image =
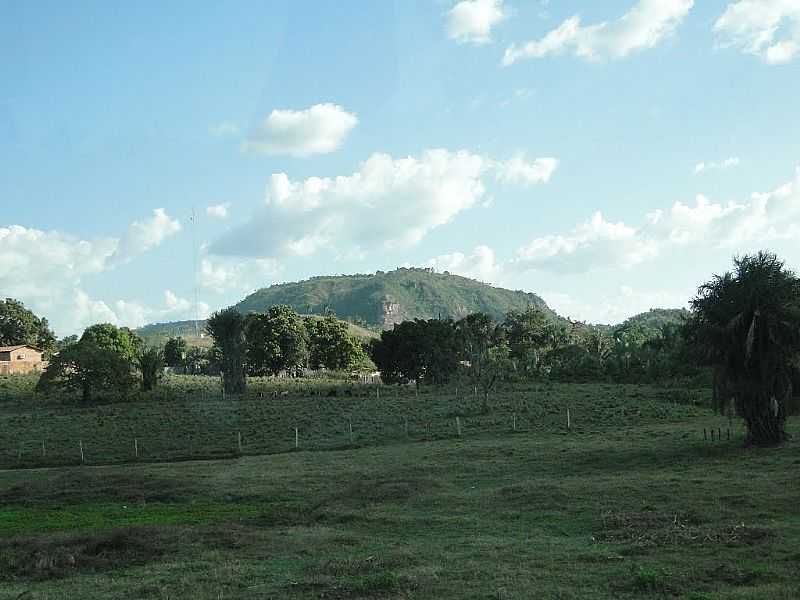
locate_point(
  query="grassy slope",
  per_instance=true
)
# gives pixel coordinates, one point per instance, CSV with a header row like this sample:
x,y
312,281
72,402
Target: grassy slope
x,y
631,504
188,418
421,294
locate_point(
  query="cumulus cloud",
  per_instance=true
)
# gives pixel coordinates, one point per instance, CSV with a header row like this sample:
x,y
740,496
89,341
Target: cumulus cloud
x,y
519,170
481,264
614,308
218,211
320,129
46,269
471,21
728,163
387,203
145,235
597,240
768,29
764,218
220,274
644,26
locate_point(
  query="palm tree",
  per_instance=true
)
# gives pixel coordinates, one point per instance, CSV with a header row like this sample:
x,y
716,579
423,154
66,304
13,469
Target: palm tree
x,y
748,325
227,327
151,364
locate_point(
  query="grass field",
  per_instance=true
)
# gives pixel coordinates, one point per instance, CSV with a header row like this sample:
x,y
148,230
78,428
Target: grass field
x,y
631,503
189,419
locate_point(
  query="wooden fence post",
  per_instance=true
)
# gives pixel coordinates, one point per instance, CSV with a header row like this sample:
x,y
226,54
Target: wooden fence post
x,y
569,422
80,445
458,426
136,447
296,438
239,441
515,421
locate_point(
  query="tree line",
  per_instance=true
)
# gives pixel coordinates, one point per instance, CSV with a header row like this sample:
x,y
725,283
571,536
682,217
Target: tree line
x,y
743,331
113,360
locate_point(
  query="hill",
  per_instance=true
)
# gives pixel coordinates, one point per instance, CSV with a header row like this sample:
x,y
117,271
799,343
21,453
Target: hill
x,y
372,302
379,301
158,333
654,319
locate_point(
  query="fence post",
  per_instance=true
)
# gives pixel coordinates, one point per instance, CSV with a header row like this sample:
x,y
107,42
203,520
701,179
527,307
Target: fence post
x,y
136,447
569,422
239,441
80,445
458,426
296,438
43,449
350,425
378,392
515,421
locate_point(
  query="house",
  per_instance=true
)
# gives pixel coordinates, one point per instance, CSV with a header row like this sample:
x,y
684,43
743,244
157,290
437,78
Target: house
x,y
15,360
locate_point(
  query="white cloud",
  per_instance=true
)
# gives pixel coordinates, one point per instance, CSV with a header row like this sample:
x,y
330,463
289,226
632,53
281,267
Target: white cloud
x,y
387,203
614,309
471,21
768,29
320,129
644,26
740,226
45,269
728,163
218,211
597,241
219,274
225,128
520,170
481,264
145,235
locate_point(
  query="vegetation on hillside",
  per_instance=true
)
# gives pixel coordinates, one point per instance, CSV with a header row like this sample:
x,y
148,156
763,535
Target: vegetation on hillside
x,y
417,294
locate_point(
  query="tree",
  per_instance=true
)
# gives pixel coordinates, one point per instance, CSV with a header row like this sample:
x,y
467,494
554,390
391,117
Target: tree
x,y
227,327
487,355
527,334
197,361
119,340
18,325
151,365
746,322
89,369
66,341
175,351
330,344
276,341
419,350
489,368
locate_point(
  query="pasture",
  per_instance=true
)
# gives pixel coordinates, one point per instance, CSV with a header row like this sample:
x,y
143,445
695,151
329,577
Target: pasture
x,y
630,502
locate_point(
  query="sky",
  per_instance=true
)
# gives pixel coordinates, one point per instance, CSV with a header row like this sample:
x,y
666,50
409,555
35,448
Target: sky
x,y
161,160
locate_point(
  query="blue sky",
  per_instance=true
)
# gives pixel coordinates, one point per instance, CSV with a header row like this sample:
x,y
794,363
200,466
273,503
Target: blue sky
x,y
608,156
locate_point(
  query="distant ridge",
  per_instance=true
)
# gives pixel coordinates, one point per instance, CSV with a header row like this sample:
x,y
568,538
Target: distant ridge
x,y
373,302
379,301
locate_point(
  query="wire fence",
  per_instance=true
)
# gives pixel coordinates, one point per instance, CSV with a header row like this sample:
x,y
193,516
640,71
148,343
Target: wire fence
x,y
209,428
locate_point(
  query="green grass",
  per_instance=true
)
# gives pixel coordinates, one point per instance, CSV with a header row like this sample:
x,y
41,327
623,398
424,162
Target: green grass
x,y
188,419
631,504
